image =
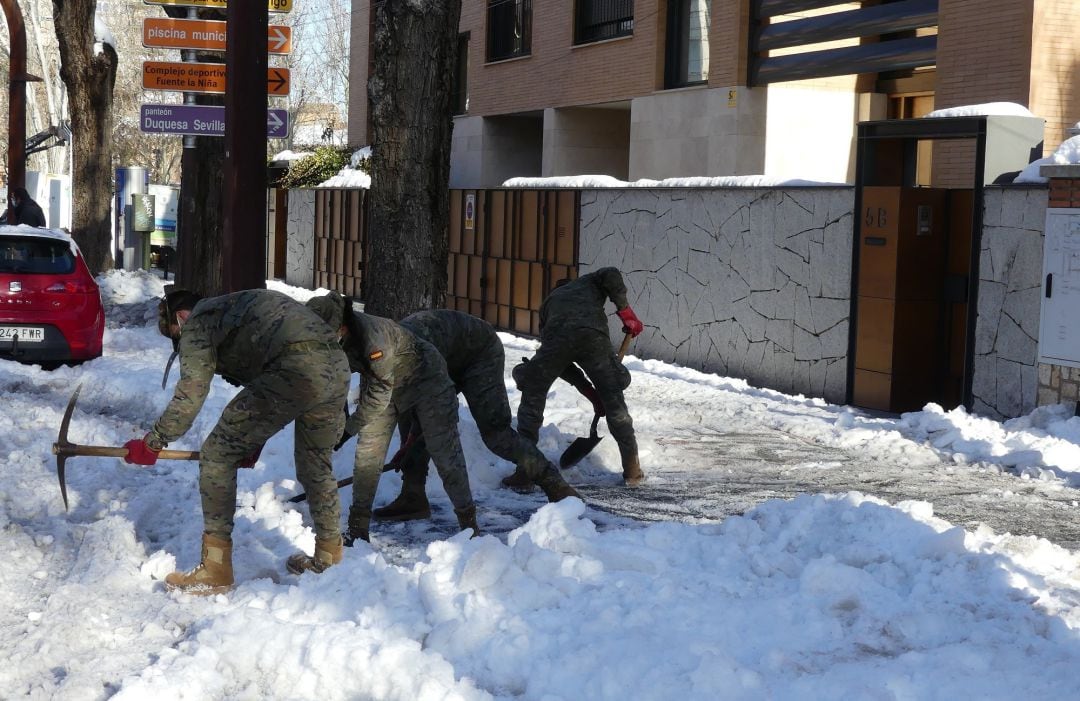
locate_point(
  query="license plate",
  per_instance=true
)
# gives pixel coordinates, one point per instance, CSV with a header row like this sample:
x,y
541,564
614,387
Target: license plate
x,y
26,334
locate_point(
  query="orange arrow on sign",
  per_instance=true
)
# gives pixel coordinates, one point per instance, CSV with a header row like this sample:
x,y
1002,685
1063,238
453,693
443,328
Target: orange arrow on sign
x,y
203,77
208,35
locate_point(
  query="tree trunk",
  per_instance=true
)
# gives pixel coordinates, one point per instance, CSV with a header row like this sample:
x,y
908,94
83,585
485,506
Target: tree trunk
x,y
200,264
415,64
89,78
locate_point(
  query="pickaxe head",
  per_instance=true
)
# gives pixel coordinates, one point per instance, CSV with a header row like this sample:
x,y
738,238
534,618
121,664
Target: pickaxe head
x,y
62,446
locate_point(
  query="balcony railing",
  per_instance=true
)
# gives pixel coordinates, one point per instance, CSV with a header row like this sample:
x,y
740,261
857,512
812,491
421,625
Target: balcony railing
x,y
596,20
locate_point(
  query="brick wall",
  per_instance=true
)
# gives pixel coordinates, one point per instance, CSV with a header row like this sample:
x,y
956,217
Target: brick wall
x,y
1064,192
1055,67
557,73
983,55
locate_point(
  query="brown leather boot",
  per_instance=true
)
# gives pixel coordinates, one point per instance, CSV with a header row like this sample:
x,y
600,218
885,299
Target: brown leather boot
x,y
467,519
518,481
407,507
328,551
212,576
631,472
554,486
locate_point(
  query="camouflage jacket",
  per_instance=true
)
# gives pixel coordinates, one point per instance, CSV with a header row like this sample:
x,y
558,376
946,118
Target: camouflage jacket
x,y
460,338
580,303
236,336
396,357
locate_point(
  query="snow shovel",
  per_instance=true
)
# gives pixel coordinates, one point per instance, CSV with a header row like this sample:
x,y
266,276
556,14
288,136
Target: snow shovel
x,y
582,446
64,449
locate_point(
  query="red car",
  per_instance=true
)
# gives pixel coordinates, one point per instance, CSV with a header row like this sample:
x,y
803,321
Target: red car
x,y
50,306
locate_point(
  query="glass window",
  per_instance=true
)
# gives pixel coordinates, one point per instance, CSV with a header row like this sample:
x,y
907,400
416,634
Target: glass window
x,y
509,29
687,58
596,20
23,254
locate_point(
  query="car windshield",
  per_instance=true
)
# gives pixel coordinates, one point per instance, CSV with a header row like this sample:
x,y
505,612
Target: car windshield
x,y
25,254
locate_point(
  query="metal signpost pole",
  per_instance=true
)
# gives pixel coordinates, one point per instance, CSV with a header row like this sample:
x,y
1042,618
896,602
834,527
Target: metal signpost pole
x,y
245,146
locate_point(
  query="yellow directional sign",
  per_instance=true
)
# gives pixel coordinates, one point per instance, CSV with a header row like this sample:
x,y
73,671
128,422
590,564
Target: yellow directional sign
x,y
272,5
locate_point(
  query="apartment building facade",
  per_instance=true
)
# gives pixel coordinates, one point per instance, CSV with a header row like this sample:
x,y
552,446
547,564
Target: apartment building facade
x,y
681,88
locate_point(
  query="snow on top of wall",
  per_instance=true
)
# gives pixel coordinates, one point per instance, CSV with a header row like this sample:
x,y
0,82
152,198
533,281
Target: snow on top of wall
x,y
1068,153
989,108
600,181
348,178
288,155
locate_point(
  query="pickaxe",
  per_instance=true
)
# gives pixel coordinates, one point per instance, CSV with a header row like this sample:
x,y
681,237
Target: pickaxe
x,y
63,448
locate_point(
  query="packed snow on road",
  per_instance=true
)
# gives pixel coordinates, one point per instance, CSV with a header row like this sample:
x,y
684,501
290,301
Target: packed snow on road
x,y
824,595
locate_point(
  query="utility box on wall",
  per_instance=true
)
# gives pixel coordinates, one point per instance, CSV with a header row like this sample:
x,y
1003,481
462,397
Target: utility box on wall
x,y
1059,323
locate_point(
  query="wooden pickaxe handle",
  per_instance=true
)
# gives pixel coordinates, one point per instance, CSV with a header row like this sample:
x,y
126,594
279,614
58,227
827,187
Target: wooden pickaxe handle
x,y
625,345
107,451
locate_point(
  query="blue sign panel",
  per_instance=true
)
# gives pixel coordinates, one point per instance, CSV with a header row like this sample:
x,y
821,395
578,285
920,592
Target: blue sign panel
x,y
202,120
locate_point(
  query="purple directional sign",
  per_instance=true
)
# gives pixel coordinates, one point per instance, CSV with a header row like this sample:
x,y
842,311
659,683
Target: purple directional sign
x,y
202,120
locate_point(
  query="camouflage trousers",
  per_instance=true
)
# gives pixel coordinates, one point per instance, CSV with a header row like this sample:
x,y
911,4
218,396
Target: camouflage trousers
x,y
307,384
592,352
483,385
432,400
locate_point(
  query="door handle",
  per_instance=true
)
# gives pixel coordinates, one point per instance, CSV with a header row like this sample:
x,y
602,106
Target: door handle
x,y
1049,285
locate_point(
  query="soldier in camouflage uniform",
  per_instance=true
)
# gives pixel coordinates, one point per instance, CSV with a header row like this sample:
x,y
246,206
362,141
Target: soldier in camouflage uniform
x,y
291,368
574,329
475,362
401,374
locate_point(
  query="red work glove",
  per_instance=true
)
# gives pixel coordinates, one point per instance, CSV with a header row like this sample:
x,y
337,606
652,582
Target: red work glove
x,y
593,396
250,460
139,453
631,324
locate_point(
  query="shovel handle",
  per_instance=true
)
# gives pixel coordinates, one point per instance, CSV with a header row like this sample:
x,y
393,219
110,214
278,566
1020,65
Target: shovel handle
x,y
102,451
625,346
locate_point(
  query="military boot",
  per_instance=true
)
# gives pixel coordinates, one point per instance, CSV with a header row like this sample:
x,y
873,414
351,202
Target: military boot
x,y
631,471
467,519
554,486
328,551
407,507
212,576
518,481
359,527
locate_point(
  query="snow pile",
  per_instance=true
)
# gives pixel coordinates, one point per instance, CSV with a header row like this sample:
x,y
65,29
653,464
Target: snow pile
x,y
986,109
607,181
351,176
1068,153
821,596
289,155
348,178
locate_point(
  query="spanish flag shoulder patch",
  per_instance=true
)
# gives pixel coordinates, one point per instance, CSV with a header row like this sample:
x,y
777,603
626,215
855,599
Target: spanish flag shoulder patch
x,y
375,354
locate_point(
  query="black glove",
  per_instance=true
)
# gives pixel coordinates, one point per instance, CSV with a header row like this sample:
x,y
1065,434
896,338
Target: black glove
x,y
345,436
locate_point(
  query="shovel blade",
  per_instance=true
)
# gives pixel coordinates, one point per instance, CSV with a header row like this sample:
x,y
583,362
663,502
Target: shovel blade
x,y
578,450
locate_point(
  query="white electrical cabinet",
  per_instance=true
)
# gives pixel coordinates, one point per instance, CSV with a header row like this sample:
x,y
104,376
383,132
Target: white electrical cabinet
x,y
1059,322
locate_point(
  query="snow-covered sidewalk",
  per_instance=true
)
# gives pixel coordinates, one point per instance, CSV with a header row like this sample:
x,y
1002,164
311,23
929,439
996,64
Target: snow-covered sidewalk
x,y
820,596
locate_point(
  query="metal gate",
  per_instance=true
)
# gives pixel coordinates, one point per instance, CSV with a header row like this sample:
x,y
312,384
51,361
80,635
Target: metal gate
x,y
508,249
341,241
